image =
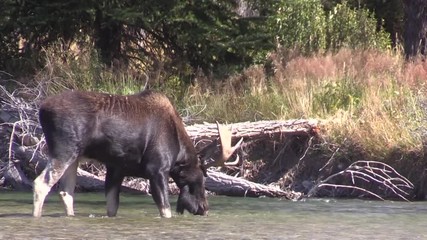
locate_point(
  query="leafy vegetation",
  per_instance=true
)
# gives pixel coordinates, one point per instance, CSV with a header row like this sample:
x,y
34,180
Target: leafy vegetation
x,y
180,38
300,24
305,25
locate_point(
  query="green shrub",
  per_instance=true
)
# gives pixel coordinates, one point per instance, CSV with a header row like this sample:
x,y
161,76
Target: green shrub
x,y
354,29
300,24
306,26
343,94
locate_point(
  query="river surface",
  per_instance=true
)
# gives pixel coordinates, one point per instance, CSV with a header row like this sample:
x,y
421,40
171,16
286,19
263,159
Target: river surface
x,y
229,218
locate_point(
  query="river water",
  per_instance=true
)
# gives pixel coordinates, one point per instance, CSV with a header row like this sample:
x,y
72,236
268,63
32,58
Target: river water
x,y
229,218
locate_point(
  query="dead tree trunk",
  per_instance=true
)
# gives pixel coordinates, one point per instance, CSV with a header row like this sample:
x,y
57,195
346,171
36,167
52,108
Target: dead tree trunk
x,y
223,184
415,34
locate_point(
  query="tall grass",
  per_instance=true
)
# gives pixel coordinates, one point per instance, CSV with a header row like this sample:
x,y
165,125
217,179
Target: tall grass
x,y
375,100
82,70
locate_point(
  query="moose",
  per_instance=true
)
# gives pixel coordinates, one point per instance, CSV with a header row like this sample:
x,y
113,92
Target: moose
x,y
139,135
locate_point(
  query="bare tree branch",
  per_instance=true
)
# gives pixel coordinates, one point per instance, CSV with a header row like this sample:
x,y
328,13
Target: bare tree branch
x,y
379,173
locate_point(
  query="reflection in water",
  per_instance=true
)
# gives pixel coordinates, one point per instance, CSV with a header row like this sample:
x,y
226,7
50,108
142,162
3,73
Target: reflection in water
x,y
229,218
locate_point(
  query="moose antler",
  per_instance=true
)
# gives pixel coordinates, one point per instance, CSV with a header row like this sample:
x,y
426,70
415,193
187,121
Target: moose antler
x,y
226,150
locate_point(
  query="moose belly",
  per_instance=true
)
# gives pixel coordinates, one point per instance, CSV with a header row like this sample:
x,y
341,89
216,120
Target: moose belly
x,y
127,158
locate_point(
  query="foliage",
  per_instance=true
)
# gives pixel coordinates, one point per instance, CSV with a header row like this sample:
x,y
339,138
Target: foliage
x,y
179,37
300,24
339,94
389,14
306,26
28,26
354,28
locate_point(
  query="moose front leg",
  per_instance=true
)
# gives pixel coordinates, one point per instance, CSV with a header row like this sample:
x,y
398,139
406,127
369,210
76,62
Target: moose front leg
x,y
113,182
159,191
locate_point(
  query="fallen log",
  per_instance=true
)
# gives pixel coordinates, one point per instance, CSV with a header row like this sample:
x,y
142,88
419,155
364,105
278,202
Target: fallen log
x,y
277,129
14,176
223,184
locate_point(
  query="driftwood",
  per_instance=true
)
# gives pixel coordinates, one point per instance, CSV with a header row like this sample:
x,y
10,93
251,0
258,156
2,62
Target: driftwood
x,y
360,175
224,184
208,132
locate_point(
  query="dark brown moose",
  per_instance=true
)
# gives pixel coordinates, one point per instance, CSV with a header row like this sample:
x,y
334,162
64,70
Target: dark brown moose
x,y
138,135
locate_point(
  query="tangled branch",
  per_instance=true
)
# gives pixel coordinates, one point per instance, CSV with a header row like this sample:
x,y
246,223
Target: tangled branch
x,y
369,172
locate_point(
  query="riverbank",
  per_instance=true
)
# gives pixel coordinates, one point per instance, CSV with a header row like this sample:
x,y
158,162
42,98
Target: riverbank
x,y
285,159
371,106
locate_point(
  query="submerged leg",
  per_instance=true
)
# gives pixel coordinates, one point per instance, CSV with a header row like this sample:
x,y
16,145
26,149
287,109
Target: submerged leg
x,y
44,182
68,184
159,190
113,182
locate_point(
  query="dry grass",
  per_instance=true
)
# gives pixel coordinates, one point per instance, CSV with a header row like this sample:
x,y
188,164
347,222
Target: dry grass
x,y
373,99
80,70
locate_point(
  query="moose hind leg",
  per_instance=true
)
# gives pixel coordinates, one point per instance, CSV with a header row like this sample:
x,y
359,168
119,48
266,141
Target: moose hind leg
x,y
159,191
44,182
67,186
113,182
